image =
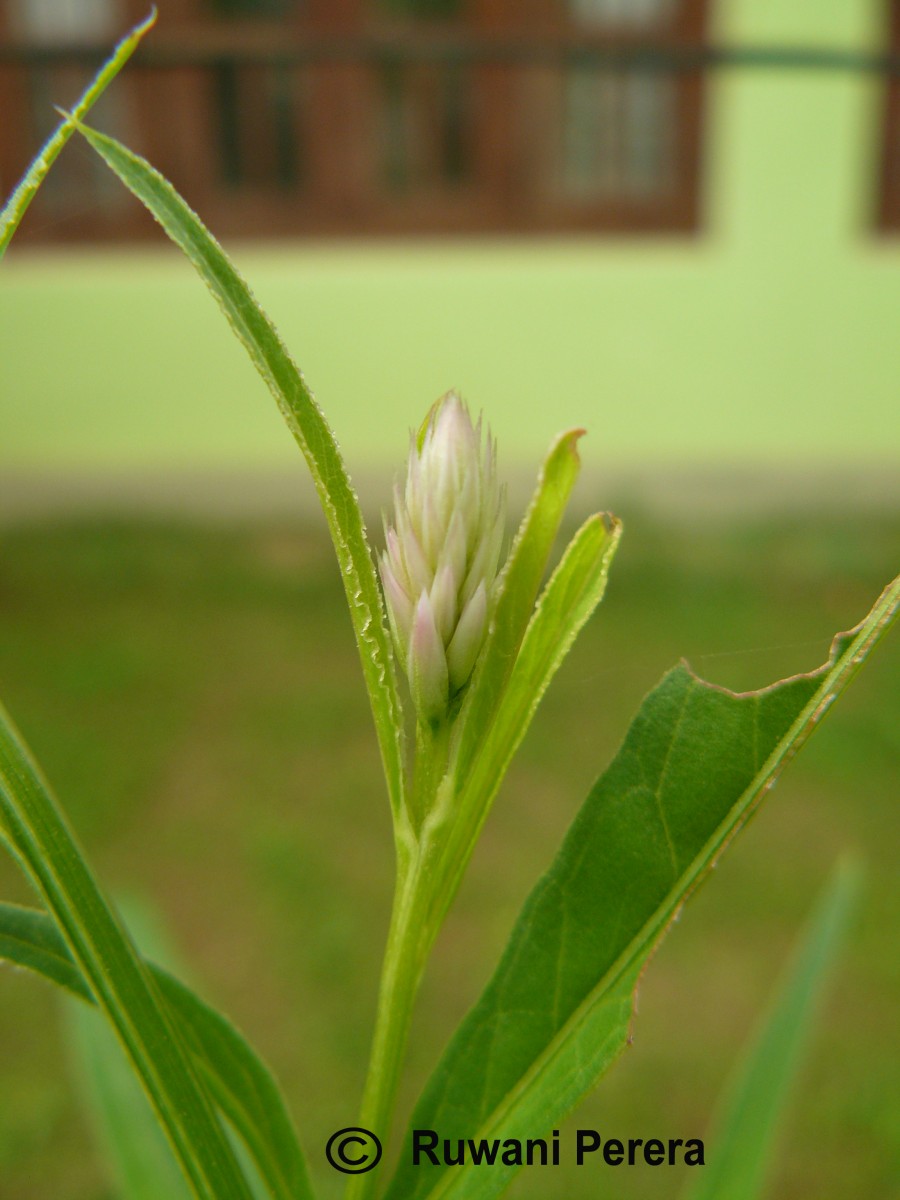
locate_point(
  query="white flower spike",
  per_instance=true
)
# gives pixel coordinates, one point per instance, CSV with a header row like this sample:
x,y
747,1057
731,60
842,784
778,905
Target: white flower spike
x,y
440,562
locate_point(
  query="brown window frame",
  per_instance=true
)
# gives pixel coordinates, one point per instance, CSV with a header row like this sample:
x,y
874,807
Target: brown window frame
x,y
888,200
333,45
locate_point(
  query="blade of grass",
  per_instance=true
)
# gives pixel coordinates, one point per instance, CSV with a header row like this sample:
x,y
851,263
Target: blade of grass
x,y
750,1111
16,206
311,431
36,831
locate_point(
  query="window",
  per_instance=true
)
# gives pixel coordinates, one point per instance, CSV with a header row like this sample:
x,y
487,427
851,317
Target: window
x,y
889,192
320,117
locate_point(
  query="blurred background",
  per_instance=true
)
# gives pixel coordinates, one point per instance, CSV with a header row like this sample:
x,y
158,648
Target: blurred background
x,y
672,222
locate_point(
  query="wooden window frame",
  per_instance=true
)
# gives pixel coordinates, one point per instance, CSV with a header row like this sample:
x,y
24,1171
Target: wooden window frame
x,y
887,215
337,41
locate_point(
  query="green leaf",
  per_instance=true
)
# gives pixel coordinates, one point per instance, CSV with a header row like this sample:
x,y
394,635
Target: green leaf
x,y
752,1108
15,207
519,583
37,834
570,597
29,938
242,1088
135,1152
574,590
483,737
310,429
694,765
241,1085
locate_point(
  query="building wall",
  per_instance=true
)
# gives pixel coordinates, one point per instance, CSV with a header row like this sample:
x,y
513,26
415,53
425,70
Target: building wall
x,y
769,340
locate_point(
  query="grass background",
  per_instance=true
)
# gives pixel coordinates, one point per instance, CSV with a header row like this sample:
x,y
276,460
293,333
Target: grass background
x,y
193,693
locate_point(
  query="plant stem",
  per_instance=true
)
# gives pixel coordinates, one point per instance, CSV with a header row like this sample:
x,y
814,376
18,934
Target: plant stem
x,y
407,949
410,938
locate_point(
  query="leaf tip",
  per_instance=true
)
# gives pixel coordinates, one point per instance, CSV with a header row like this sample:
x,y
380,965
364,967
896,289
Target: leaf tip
x,y
135,35
570,438
612,524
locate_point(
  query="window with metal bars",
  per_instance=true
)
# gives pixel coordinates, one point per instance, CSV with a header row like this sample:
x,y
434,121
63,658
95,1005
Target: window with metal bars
x,y
888,204
281,117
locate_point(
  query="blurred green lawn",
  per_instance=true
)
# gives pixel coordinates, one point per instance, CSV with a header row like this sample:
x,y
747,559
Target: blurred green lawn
x,y
193,693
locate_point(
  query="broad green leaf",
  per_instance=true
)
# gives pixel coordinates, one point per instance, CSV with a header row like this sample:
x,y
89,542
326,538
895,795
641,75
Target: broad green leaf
x,y
15,207
752,1108
694,765
241,1085
35,831
310,429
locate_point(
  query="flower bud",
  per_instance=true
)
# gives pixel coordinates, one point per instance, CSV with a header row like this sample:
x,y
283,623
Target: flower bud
x,y
440,561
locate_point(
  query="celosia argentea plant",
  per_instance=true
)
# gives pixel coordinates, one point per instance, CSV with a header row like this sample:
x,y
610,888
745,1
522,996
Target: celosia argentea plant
x,y
456,655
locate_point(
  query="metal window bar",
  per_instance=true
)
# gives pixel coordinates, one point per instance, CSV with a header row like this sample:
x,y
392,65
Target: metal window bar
x,y
634,168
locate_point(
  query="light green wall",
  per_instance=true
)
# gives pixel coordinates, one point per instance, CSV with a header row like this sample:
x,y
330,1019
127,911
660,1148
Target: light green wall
x,y
770,338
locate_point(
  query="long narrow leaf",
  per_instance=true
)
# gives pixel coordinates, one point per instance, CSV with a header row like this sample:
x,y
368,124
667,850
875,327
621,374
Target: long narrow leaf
x,y
571,595
519,586
242,1086
452,826
309,427
135,1152
29,938
694,765
36,832
16,205
744,1135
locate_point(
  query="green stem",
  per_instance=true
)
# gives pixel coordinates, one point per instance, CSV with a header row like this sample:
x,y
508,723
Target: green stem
x,y
409,941
410,938
432,751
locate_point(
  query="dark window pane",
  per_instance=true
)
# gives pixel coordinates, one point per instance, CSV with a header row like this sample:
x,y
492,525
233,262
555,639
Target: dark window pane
x,y
623,14
423,9
258,139
255,8
424,127
617,133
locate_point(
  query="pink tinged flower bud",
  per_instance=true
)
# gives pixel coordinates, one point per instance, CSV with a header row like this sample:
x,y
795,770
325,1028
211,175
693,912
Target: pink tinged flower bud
x,y
427,663
440,561
466,641
399,604
443,602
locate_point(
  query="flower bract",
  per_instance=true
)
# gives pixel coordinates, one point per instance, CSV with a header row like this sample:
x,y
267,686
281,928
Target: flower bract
x,y
439,565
